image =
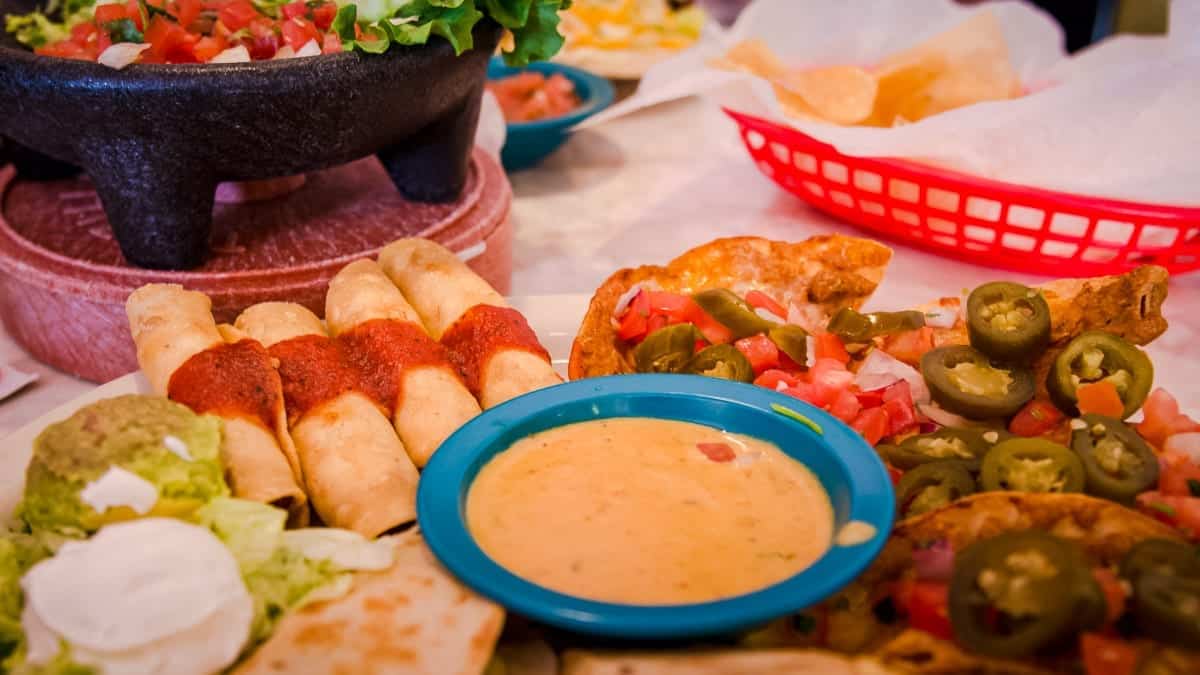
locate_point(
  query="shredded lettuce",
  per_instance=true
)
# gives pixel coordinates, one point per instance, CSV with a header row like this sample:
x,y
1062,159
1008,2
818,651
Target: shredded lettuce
x,y
280,578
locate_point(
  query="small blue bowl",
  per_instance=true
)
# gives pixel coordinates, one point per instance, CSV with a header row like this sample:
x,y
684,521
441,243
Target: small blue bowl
x,y
848,468
530,142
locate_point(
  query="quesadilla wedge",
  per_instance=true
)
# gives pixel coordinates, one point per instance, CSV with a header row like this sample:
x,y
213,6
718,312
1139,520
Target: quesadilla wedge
x,y
413,618
818,276
1019,583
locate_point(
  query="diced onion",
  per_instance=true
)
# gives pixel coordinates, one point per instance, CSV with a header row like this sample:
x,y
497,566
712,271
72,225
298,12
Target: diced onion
x,y
809,317
810,351
121,54
941,317
238,54
935,563
626,298
767,315
310,48
881,370
1185,444
945,417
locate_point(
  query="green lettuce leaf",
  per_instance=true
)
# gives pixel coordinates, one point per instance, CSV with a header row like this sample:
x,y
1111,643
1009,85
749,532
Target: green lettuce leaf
x,y
35,29
539,38
62,664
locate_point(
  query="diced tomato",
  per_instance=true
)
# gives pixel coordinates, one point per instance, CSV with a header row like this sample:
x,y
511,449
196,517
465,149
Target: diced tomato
x,y
1179,512
771,379
710,328
1100,398
82,32
1114,594
760,300
238,14
633,326
640,304
1177,474
208,47
900,391
107,13
332,43
134,11
760,351
910,346
298,32
264,40
926,603
829,346
831,378
169,42
870,399
894,474
677,308
299,8
845,407
1036,418
717,452
187,11
872,423
901,414
1104,655
786,363
64,49
807,392
1163,419
655,322
323,16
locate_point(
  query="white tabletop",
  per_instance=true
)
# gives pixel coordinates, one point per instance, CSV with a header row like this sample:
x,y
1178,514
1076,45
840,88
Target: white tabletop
x,y
643,189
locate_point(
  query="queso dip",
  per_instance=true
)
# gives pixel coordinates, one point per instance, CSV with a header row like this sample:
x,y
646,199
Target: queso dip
x,y
649,512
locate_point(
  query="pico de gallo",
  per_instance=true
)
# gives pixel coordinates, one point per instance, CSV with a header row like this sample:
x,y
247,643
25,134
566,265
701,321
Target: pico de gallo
x,y
948,398
118,33
531,96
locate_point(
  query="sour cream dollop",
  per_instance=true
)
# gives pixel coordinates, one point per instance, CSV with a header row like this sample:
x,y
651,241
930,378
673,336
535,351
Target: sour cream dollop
x,y
155,596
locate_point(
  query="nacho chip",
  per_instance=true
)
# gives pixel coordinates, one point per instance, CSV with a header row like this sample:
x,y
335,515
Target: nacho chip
x,y
839,94
897,81
821,275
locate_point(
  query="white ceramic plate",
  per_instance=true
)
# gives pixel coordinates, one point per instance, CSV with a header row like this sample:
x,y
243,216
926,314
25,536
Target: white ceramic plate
x,y
556,318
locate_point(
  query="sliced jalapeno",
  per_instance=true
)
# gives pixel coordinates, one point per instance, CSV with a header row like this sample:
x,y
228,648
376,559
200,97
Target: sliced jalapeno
x,y
853,326
962,380
1096,356
791,340
1020,593
932,485
666,350
1008,321
965,445
1117,463
1163,557
723,361
732,312
1031,465
1167,608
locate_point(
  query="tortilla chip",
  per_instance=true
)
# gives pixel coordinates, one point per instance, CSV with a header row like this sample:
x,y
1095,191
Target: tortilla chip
x,y
413,618
822,274
1105,530
742,662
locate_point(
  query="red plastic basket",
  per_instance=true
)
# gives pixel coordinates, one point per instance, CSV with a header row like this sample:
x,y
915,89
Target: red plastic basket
x,y
973,219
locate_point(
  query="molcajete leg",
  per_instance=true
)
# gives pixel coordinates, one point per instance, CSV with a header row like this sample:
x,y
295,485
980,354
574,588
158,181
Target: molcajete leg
x,y
160,206
32,165
432,166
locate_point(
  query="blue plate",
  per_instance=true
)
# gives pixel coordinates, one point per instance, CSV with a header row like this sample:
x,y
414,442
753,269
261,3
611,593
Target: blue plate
x,y
848,468
530,142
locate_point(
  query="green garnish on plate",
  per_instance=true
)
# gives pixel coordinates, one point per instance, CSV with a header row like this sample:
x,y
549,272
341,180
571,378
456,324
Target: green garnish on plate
x,y
788,412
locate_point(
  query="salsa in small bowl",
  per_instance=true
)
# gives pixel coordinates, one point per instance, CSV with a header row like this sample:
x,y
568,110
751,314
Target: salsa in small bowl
x,y
537,101
655,507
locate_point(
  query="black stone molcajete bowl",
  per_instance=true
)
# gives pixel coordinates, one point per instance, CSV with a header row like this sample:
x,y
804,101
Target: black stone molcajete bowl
x,y
157,139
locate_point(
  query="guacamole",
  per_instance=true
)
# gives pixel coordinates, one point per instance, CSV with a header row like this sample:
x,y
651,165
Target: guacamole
x,y
157,440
